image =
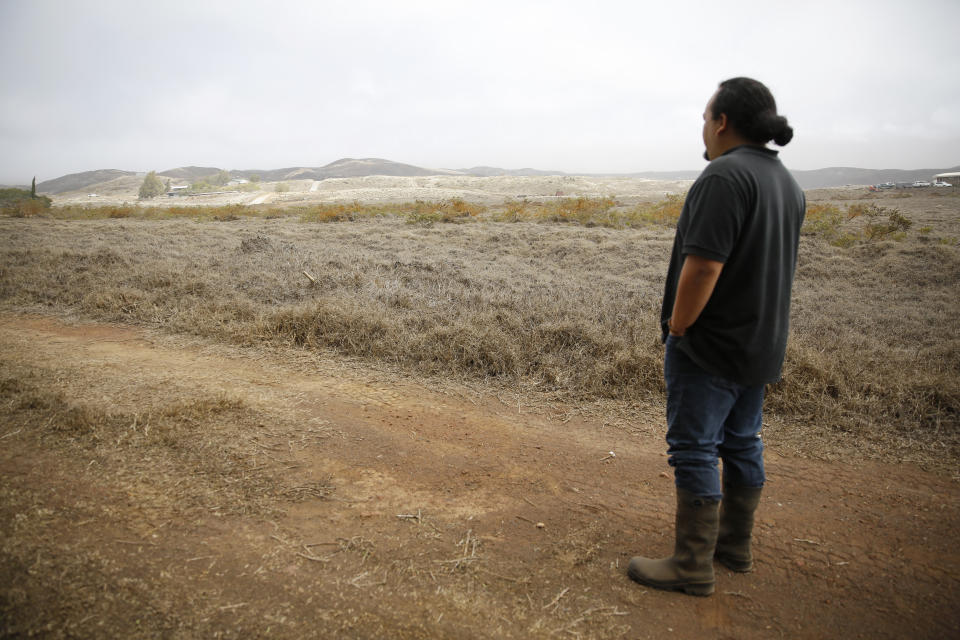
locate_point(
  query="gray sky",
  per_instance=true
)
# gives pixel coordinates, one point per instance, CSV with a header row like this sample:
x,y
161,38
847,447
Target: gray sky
x,y
577,86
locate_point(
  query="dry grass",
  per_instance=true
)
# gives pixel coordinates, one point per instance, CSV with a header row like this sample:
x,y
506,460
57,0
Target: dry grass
x,y
559,298
589,212
217,443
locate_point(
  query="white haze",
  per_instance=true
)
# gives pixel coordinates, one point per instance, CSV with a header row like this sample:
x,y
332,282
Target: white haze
x,y
573,86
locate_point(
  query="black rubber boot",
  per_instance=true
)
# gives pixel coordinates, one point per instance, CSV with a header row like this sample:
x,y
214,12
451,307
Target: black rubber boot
x,y
690,569
736,527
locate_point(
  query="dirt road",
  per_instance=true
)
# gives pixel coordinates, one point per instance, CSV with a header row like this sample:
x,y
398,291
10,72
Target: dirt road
x,y
401,511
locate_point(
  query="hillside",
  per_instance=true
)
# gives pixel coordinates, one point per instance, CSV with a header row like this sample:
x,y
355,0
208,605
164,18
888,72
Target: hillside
x,y
485,172
189,174
74,181
840,176
822,178
343,168
355,168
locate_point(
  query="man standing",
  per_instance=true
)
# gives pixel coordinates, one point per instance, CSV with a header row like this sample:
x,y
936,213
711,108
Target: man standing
x,y
725,321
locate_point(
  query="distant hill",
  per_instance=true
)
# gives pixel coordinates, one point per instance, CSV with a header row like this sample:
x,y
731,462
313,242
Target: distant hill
x,y
486,172
839,176
343,168
822,178
352,167
815,179
665,175
189,174
76,181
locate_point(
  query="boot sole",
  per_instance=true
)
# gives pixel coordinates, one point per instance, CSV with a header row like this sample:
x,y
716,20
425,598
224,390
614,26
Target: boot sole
x,y
738,566
700,589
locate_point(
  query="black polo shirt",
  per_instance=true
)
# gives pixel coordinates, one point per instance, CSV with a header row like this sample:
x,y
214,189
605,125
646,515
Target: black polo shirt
x,y
745,210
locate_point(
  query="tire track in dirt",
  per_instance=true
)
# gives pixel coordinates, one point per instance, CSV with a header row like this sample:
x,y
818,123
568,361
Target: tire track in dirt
x,y
842,549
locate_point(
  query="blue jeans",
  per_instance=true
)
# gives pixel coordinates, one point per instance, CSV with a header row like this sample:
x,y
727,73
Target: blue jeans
x,y
710,417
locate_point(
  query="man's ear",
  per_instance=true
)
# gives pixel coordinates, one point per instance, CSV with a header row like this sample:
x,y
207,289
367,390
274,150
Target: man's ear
x,y
723,123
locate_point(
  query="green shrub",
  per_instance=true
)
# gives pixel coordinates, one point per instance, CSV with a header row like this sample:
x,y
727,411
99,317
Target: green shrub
x,y
151,187
515,211
826,220
427,213
19,203
665,212
822,220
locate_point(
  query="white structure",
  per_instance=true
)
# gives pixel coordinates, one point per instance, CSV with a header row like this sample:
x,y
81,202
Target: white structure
x,y
953,178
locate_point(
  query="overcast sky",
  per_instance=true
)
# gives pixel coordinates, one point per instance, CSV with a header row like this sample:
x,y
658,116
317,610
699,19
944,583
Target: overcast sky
x,y
602,86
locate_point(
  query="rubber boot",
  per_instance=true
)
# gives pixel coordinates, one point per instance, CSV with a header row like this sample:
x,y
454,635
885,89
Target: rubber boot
x,y
690,569
736,526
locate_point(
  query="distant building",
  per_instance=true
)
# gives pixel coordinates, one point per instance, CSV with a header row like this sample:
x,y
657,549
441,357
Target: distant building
x,y
178,190
952,177
235,181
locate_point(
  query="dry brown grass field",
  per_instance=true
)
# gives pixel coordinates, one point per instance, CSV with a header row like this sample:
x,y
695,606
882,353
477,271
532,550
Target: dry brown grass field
x,y
396,420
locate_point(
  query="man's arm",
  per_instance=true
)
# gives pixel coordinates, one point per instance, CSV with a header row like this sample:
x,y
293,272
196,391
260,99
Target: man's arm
x,y
698,277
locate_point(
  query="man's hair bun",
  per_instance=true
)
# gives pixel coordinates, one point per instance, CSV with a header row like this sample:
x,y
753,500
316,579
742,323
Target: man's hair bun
x,y
780,131
751,111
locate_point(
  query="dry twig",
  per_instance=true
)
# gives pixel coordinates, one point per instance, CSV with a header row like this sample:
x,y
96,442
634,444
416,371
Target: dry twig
x,y
312,557
557,599
410,516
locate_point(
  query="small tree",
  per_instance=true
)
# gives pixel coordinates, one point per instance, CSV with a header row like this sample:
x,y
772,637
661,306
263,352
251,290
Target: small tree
x,y
282,187
221,178
33,187
151,187
255,177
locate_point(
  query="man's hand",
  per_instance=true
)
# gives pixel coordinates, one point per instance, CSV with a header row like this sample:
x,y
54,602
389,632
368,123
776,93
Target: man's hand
x,y
698,277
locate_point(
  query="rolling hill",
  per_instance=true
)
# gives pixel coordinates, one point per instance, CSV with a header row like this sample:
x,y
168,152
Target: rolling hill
x,y
74,181
353,167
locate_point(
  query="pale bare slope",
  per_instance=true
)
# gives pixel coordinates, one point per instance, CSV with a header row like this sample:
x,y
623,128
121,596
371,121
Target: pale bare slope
x,y
374,189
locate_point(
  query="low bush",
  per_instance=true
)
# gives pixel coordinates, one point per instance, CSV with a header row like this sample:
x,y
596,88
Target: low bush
x,y
19,203
427,213
822,220
830,222
594,212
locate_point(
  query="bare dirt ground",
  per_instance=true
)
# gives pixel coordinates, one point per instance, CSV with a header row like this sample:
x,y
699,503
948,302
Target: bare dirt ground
x,y
355,503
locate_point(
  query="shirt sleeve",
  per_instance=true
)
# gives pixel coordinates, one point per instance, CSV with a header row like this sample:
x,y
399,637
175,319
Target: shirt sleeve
x,y
715,216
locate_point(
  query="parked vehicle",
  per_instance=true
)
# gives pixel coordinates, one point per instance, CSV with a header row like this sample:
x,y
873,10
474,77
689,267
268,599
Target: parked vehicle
x,y
921,183
938,183
886,185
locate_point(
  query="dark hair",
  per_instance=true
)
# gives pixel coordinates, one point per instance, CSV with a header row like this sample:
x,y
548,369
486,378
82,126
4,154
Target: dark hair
x,y
751,111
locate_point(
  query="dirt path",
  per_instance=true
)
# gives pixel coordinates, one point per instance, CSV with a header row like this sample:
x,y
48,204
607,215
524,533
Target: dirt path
x,y
259,199
404,512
